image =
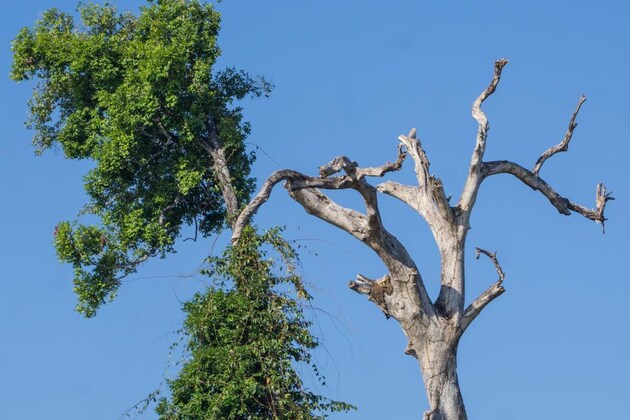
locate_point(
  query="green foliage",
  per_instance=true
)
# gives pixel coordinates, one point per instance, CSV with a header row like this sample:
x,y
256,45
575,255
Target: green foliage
x,y
245,337
138,96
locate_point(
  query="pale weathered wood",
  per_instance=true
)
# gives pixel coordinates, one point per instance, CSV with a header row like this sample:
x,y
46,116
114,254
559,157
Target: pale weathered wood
x,y
432,328
469,194
487,296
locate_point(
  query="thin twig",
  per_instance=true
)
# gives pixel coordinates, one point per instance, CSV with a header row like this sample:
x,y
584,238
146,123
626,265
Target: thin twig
x,y
493,257
493,292
353,170
564,144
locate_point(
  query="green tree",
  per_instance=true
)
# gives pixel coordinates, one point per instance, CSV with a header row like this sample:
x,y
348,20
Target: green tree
x,y
245,337
138,96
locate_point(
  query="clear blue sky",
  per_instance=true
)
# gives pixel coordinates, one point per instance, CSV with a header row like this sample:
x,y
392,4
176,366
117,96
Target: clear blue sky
x,y
350,77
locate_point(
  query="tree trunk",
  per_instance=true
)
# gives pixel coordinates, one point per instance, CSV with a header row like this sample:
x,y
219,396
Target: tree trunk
x,y
438,340
433,327
438,362
434,338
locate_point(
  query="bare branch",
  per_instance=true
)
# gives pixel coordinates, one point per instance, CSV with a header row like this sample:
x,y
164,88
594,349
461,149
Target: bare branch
x,y
380,171
319,205
429,199
336,165
298,181
358,183
493,257
471,186
493,292
352,169
564,144
370,198
336,183
601,198
393,254
366,227
405,193
316,203
564,205
414,148
246,214
301,181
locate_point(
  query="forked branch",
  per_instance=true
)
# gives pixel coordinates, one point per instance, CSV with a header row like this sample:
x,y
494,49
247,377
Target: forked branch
x,y
297,181
354,171
248,212
354,174
369,230
534,181
493,258
473,181
318,204
428,198
601,198
367,227
564,144
493,292
564,205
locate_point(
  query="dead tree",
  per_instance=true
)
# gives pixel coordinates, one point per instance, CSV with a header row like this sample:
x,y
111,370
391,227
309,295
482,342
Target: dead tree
x,y
432,327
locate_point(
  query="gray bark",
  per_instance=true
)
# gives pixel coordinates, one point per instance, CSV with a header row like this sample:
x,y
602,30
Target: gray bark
x,y
216,149
432,327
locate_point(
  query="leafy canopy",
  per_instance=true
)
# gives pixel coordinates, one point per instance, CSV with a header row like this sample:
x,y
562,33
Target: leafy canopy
x,y
245,337
137,95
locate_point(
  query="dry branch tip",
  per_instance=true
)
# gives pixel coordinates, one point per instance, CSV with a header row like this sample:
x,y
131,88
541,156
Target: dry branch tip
x,y
564,144
493,258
